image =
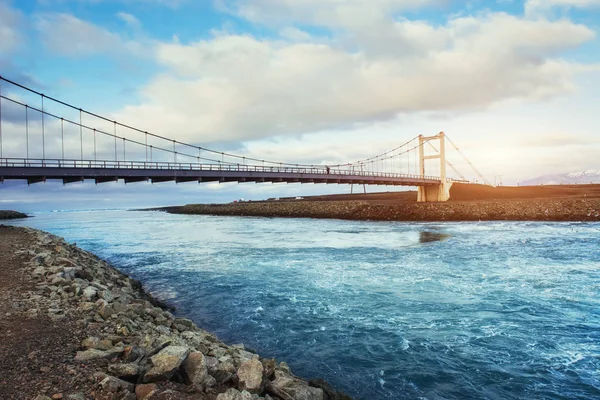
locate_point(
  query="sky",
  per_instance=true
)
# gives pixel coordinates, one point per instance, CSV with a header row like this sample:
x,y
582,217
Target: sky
x,y
514,83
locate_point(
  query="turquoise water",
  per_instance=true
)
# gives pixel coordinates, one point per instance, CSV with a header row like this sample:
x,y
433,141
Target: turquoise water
x,y
382,310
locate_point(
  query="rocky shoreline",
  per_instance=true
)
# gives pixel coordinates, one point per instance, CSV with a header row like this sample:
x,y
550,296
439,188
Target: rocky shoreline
x,y
482,210
8,214
74,327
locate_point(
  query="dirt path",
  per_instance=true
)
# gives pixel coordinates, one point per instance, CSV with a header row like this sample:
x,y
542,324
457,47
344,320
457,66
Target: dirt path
x,y
36,351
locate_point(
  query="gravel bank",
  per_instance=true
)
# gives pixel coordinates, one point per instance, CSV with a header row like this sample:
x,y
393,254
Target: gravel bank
x,y
488,210
73,327
7,214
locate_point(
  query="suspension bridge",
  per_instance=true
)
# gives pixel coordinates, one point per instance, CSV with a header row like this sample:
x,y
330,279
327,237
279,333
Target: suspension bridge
x,y
44,138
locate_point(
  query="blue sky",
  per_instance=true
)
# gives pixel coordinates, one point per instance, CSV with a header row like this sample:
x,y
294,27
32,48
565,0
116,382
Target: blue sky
x,y
514,83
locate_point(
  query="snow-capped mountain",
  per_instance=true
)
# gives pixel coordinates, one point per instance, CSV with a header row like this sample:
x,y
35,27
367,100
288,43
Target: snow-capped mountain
x,y
571,178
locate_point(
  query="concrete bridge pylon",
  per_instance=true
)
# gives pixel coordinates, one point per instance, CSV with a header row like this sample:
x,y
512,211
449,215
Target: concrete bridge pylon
x,y
440,192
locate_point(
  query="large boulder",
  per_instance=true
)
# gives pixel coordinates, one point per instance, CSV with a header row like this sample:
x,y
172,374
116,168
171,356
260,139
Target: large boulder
x,y
166,363
194,368
287,386
250,376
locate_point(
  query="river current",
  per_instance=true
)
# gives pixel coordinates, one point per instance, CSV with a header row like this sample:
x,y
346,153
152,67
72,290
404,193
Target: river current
x,y
381,310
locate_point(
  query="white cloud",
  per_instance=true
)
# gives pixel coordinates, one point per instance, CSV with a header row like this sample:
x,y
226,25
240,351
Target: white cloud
x,y
334,90
67,35
332,13
129,19
295,35
236,87
10,22
541,8
167,3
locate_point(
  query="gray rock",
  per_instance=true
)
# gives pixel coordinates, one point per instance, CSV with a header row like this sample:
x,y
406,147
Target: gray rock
x,y
244,355
250,375
58,281
183,324
111,384
105,310
224,371
284,367
194,368
89,293
165,363
232,394
209,381
106,295
145,391
104,344
65,261
98,285
153,312
94,354
99,376
294,388
118,307
217,352
76,289
76,396
124,371
90,343
86,306
91,354
163,330
68,273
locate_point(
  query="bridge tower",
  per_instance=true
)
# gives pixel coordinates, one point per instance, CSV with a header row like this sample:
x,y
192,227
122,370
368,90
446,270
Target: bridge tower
x,y
439,192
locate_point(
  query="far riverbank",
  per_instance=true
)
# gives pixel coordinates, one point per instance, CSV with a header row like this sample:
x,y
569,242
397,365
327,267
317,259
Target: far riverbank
x,y
518,210
467,203
8,214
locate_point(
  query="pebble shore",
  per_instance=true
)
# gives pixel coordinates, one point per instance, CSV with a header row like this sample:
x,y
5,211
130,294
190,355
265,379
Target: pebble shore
x,y
132,346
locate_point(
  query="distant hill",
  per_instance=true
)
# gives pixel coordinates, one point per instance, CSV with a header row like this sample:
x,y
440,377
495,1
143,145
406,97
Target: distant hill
x,y
571,178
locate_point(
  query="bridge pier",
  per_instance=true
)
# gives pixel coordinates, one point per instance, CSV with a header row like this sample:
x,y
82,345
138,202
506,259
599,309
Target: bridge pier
x,y
434,193
439,192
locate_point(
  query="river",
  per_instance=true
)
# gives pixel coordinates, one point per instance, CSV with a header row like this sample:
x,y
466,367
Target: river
x,y
381,310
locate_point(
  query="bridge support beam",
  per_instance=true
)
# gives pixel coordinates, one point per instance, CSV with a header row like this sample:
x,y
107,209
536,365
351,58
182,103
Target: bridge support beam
x,y
73,179
36,179
434,193
439,192
137,179
106,179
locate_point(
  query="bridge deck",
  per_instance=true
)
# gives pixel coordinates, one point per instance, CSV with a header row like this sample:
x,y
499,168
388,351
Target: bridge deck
x,y
131,171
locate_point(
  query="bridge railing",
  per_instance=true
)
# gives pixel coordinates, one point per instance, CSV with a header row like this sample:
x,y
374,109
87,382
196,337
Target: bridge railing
x,y
162,165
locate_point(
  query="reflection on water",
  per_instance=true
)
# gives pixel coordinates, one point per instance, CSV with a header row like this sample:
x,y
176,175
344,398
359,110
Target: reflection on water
x,y
428,236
